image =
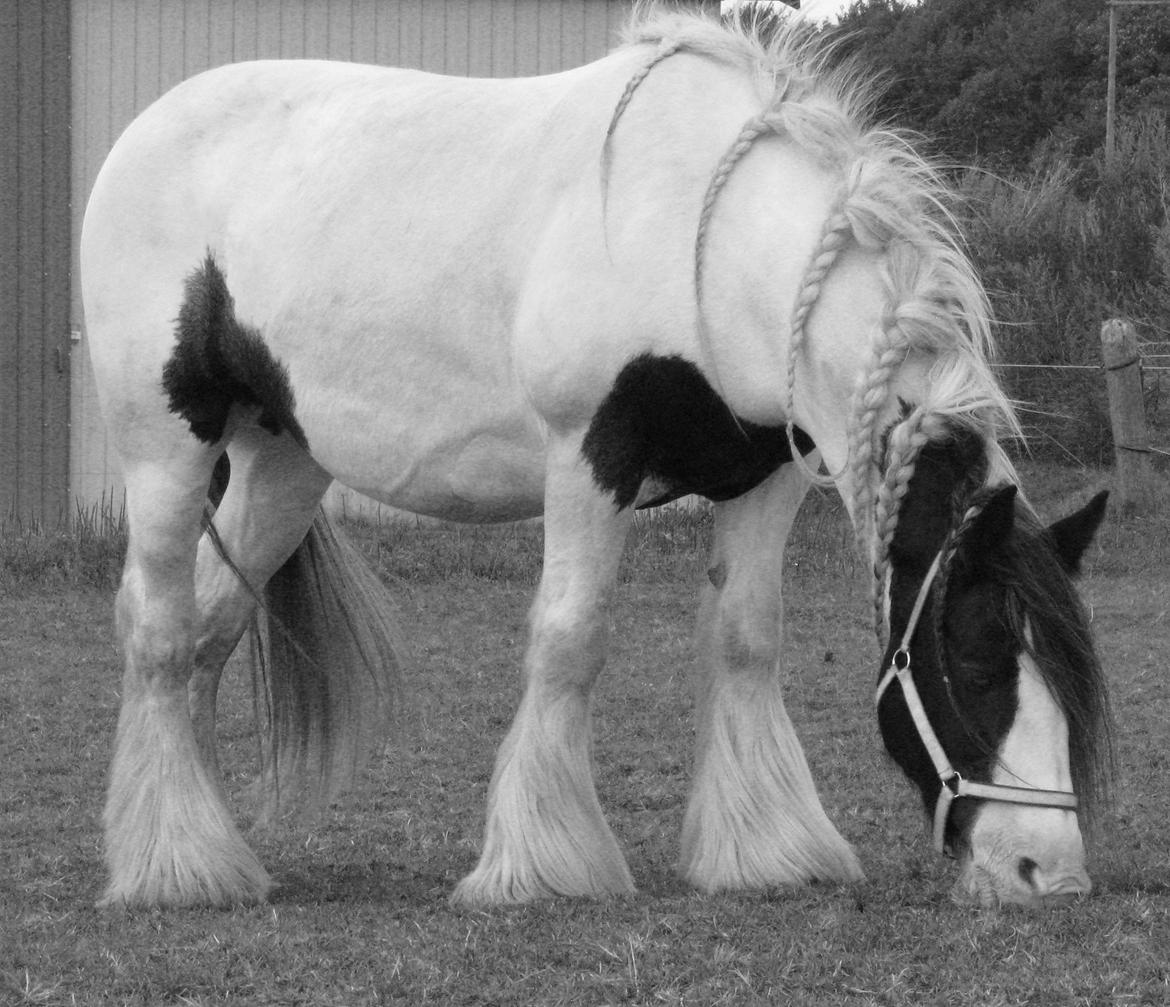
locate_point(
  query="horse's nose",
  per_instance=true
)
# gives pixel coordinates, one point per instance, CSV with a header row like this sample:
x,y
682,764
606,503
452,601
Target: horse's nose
x,y
1052,887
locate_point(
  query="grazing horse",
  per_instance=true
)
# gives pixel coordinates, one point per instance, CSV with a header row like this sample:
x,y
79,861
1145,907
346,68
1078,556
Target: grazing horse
x,y
689,267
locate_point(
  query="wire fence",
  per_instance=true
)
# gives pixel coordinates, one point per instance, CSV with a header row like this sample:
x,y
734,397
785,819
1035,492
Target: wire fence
x,y
1064,407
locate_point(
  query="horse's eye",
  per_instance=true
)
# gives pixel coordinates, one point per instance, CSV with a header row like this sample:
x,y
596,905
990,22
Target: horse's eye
x,y
982,674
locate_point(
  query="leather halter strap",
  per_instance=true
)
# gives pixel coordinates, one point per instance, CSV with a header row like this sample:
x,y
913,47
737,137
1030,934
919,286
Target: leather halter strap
x,y
953,783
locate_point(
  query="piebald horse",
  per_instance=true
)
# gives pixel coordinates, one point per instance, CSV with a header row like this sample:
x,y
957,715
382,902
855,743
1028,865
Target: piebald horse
x,y
692,266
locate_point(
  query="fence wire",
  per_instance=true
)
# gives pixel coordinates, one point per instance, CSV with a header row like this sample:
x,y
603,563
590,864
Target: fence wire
x,y
1064,408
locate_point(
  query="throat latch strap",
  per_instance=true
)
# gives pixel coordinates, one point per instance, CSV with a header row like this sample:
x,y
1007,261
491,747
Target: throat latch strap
x,y
953,784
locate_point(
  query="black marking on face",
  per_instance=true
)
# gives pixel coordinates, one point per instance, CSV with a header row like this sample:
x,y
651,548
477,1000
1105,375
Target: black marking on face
x,y
662,420
219,362
965,664
1006,590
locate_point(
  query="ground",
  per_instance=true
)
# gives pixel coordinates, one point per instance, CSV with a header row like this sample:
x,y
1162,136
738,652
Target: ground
x,y
361,917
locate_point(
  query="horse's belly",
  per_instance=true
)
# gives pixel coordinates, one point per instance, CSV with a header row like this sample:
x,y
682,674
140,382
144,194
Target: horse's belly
x,y
445,462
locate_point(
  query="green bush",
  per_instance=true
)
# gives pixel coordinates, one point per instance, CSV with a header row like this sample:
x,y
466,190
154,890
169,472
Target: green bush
x,y
1062,247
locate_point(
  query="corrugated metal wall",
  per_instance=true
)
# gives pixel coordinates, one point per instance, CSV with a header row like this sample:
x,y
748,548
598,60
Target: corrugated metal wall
x,y
34,259
128,52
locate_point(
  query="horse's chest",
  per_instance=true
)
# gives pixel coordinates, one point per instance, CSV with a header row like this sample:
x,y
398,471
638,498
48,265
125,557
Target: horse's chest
x,y
662,425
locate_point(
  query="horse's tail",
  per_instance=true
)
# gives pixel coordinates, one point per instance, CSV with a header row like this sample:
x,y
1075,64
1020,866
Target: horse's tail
x,y
326,671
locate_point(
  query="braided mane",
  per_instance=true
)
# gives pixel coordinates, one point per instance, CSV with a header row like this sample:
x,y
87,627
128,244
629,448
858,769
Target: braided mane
x,y
889,200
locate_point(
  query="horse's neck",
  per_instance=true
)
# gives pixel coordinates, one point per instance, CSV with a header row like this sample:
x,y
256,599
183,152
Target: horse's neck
x,y
946,473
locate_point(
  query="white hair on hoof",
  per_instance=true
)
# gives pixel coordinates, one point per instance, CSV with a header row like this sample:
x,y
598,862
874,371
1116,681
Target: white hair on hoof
x,y
754,819
169,839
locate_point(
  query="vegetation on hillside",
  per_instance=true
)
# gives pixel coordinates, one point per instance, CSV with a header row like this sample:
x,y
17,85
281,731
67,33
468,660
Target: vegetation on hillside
x,y
1015,93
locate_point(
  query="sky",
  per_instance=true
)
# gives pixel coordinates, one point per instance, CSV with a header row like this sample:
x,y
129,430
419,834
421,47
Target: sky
x,y
817,10
822,10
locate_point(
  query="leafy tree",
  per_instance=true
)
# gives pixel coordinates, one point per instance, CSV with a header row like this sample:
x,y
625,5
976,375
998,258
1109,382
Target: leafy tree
x,y
1062,239
998,79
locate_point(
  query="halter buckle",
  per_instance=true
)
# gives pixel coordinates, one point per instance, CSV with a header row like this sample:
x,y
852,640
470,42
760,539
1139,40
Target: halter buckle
x,y
952,788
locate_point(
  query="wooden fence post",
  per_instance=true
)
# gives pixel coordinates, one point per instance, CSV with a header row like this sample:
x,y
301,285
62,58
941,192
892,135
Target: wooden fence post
x,y
1131,442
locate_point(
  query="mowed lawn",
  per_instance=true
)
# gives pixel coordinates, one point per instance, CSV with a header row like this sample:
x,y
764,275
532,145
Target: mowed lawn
x,y
361,915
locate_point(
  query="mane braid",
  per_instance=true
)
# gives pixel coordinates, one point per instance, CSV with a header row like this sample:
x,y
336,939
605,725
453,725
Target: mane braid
x,y
665,48
834,236
904,444
892,202
752,130
888,353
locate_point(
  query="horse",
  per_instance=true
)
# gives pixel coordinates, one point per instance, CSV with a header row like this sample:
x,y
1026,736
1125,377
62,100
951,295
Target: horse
x,y
692,266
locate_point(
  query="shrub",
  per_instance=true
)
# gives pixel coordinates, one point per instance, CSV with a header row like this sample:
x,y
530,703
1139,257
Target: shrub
x,y
1061,248
86,548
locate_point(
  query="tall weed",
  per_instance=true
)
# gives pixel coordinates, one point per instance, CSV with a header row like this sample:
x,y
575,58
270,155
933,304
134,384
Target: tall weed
x,y
1061,248
84,549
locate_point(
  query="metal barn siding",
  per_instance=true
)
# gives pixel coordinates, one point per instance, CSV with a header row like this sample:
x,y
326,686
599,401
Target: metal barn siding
x,y
128,52
34,259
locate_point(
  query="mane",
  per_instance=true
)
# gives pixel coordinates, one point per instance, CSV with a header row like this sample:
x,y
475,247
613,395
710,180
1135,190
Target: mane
x,y
1047,620
890,200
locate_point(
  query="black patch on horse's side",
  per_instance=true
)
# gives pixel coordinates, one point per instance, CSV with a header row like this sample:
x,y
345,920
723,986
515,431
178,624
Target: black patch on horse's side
x,y
662,420
219,362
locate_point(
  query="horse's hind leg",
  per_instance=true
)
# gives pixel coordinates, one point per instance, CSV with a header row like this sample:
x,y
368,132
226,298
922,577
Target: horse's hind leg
x,y
545,833
754,818
170,839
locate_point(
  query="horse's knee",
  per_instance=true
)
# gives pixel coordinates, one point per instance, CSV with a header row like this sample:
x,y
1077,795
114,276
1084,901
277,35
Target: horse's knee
x,y
567,642
157,641
743,631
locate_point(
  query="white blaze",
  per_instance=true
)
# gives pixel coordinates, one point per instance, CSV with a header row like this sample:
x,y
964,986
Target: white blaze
x,y
1024,853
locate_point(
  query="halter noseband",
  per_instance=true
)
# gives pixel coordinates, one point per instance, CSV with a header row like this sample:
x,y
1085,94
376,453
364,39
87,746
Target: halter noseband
x,y
953,783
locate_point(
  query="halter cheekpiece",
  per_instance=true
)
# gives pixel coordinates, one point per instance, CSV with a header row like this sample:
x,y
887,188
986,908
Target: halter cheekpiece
x,y
953,783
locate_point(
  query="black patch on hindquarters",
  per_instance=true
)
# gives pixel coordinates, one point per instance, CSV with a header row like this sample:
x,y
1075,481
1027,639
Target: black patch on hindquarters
x,y
219,362
662,420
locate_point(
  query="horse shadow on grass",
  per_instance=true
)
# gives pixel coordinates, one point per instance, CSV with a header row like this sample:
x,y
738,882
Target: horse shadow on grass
x,y
381,882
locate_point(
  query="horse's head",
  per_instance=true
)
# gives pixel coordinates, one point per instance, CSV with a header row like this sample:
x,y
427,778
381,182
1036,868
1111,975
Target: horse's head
x,y
991,699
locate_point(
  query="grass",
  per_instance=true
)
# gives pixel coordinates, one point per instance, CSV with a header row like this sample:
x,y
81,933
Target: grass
x,y
361,916
85,549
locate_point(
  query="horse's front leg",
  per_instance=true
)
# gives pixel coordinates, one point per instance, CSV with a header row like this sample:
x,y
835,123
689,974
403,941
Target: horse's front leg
x,y
545,833
754,818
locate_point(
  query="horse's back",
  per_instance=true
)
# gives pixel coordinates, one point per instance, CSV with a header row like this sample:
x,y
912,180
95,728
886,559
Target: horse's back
x,y
429,258
375,226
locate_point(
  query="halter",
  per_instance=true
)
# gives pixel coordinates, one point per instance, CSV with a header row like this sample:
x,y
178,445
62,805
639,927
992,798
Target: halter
x,y
953,784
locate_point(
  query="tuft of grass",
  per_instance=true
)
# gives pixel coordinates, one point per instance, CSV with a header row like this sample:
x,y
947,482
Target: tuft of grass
x,y
84,549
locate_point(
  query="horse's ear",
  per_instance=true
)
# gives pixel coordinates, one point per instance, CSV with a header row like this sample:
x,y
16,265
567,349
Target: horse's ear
x,y
990,529
1071,535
